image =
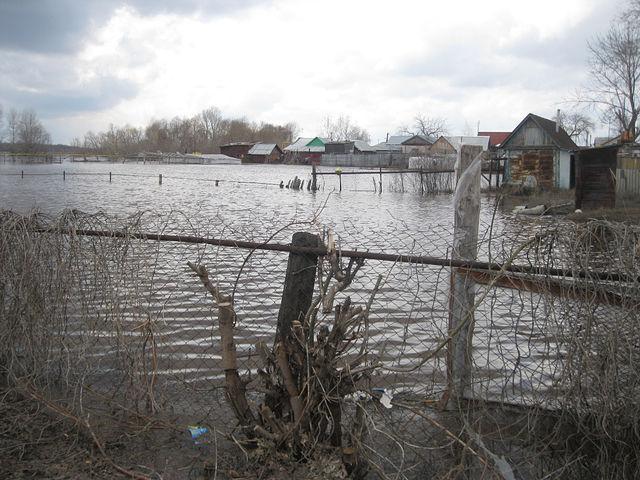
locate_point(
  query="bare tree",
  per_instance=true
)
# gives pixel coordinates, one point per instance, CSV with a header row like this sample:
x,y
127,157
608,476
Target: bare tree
x,y
31,134
426,126
13,119
577,125
341,129
615,71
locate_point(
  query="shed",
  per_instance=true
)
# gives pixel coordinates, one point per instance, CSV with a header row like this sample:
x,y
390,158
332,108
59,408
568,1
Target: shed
x,y
264,153
607,176
541,148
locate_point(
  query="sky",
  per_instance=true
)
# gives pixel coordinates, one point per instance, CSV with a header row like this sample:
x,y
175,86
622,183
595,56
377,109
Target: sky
x,y
82,65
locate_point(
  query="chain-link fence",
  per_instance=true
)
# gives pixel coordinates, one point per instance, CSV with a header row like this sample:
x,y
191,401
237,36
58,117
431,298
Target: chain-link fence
x,y
105,324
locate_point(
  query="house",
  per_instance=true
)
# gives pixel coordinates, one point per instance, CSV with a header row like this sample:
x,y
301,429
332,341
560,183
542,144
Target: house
x,y
237,149
264,153
449,145
539,147
607,177
416,145
305,151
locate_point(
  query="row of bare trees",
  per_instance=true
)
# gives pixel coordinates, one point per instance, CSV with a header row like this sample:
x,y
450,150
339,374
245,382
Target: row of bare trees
x,y
24,132
203,132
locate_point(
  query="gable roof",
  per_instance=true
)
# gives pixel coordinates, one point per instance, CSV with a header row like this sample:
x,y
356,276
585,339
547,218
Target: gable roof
x,y
306,144
560,138
422,139
397,139
495,138
263,148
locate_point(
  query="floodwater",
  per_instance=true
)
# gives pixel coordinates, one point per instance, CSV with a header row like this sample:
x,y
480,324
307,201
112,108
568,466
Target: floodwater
x,y
409,314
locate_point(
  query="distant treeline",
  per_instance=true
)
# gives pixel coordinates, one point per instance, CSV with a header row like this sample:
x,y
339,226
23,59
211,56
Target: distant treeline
x,y
203,133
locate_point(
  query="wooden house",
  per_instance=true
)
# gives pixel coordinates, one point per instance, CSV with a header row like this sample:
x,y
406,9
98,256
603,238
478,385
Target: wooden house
x,y
540,148
607,177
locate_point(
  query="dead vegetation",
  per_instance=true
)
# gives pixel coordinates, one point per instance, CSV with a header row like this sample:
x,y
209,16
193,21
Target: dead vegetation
x,y
88,355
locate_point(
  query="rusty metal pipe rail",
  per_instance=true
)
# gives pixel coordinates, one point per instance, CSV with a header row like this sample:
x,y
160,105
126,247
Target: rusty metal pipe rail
x,y
367,255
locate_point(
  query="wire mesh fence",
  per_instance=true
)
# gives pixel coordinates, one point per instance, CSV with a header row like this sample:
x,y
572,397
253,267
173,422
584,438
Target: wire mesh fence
x,y
107,327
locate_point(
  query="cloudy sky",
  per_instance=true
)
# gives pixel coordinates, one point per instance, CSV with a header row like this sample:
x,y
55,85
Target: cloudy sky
x,y
83,65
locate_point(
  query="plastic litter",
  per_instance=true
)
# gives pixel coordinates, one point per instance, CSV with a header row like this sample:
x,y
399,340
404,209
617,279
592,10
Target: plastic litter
x,y
197,431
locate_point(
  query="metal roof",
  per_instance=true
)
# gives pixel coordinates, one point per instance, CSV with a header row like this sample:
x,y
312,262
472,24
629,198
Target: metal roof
x,y
495,138
262,149
363,146
397,139
301,145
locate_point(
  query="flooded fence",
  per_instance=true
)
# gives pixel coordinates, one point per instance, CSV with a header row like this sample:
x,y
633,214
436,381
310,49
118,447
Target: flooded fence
x,y
106,314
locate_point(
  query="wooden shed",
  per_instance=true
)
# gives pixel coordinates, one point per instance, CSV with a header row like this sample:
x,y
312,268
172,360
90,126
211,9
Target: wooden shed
x,y
541,148
607,176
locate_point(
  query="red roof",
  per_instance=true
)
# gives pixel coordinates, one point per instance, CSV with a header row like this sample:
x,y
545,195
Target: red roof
x,y
495,138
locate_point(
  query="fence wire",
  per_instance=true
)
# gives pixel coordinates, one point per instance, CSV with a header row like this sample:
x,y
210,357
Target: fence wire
x,y
118,334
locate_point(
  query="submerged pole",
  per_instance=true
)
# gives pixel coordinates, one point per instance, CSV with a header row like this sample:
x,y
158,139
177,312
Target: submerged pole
x,y
160,179
314,178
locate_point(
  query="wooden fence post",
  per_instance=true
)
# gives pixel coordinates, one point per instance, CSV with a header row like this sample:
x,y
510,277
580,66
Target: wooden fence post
x,y
298,284
160,179
314,181
461,295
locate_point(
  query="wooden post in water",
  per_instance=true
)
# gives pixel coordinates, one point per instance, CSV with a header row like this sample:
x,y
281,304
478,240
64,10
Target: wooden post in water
x,y
298,284
22,174
109,177
490,172
314,178
160,179
380,189
461,295
421,183
64,175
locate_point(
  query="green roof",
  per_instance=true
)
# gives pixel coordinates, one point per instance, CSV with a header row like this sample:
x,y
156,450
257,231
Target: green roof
x,y
316,142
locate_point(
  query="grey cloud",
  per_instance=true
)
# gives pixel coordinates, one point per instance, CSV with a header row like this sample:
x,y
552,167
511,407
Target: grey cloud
x,y
102,94
59,26
51,88
569,49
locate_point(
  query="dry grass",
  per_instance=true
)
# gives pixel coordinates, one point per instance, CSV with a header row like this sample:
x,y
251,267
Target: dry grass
x,y
583,423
